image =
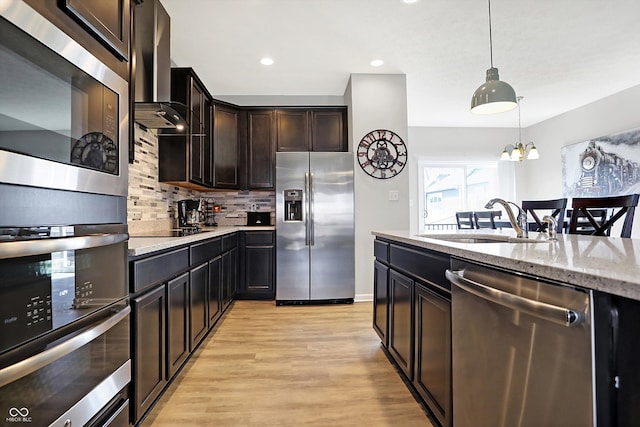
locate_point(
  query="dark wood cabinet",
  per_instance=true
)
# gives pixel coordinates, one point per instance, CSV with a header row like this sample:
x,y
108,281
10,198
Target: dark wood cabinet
x,y
292,130
401,321
314,129
432,371
381,301
226,143
258,262
261,150
214,294
177,323
412,300
198,318
328,130
149,345
185,156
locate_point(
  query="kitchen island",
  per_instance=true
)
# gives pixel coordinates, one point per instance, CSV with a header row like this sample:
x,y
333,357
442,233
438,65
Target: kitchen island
x,y
414,318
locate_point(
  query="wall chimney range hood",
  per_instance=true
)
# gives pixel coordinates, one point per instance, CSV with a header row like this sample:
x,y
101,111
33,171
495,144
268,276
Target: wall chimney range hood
x,y
153,108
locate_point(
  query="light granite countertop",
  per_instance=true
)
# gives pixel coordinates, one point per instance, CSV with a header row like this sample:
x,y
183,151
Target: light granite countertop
x,y
144,245
608,264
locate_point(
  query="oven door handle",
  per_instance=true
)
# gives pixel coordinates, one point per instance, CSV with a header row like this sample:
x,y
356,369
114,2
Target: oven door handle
x,y
46,246
560,315
25,367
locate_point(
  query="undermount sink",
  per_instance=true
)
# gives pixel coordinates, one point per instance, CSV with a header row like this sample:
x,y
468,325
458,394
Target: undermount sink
x,y
480,238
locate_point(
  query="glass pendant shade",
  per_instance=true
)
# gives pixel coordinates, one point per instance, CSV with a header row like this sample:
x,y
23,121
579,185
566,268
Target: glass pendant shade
x,y
533,153
493,96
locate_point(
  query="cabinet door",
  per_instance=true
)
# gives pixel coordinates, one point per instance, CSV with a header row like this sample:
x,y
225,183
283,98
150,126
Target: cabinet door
x,y
292,130
381,301
328,130
198,319
233,273
401,321
432,373
259,277
260,149
149,343
215,290
226,146
196,165
177,323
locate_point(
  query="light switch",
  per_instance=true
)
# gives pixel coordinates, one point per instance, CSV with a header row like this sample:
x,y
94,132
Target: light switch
x,y
394,195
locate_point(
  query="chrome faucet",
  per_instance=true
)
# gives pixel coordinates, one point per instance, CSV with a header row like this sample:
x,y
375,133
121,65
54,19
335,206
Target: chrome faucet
x,y
552,226
520,223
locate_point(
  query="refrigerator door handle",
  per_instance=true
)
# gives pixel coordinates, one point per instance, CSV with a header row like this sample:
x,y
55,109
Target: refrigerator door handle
x,y
305,201
311,211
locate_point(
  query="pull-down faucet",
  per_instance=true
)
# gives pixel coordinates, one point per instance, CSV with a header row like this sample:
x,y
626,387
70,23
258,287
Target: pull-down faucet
x,y
520,223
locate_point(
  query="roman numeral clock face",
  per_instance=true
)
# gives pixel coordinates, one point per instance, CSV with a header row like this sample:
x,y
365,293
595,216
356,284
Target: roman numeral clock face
x,y
382,154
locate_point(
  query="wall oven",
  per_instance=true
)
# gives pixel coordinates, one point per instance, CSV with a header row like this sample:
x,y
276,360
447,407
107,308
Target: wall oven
x,y
64,324
63,113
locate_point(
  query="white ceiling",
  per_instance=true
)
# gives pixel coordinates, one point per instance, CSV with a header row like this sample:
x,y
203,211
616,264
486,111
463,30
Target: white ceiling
x,y
557,54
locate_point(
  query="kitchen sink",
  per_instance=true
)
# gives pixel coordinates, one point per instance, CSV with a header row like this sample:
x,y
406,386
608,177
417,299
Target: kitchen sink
x,y
480,238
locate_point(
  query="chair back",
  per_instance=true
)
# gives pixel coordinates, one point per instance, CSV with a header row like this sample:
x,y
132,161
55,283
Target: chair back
x,y
621,207
555,208
484,219
465,220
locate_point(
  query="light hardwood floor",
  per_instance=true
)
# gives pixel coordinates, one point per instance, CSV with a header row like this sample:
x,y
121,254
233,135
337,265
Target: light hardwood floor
x,y
318,365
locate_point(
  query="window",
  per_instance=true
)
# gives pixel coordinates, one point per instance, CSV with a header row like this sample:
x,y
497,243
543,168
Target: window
x,y
448,187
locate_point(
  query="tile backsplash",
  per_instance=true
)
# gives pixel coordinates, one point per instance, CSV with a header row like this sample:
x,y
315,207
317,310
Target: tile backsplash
x,y
151,205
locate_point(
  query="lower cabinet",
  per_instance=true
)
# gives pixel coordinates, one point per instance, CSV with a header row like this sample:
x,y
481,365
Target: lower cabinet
x,y
401,321
258,261
432,367
198,317
214,294
177,323
412,316
149,345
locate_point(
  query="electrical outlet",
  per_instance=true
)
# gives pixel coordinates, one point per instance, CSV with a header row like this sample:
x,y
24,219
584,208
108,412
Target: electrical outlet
x,y
254,207
394,195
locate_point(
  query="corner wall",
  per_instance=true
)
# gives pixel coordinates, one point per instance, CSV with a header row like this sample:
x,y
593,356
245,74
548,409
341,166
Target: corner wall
x,y
376,101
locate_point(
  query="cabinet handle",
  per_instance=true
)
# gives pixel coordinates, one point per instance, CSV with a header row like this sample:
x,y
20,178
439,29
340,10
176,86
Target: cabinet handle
x,y
58,244
560,315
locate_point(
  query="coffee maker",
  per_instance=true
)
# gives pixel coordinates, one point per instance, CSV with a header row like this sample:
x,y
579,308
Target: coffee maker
x,y
189,213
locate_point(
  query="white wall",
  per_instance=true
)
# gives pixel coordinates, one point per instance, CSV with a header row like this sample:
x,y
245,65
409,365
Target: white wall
x,y
376,101
535,179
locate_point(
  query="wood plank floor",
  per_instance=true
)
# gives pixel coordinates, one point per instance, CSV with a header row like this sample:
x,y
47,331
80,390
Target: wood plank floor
x,y
319,365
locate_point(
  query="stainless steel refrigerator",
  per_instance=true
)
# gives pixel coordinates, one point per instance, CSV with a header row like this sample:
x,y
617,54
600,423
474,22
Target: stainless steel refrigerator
x,y
314,227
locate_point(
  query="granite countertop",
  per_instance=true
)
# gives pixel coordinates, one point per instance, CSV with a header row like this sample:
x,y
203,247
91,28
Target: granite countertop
x,y
608,264
144,245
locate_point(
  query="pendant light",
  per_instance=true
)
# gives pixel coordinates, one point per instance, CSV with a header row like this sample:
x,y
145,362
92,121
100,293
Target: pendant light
x,y
519,151
493,96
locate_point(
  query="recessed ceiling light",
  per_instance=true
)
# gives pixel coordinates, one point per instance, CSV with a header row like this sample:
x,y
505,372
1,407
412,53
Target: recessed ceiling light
x,y
266,61
376,63
410,1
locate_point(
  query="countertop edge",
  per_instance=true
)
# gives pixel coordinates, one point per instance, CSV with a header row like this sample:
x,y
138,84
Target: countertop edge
x,y
557,263
144,245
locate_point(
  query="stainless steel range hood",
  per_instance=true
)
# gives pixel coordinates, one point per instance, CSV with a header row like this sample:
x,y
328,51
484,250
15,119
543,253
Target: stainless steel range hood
x,y
153,107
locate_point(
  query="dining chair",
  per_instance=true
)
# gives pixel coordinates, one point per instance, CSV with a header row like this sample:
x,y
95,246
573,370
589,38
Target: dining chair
x,y
465,220
620,207
484,219
583,226
539,208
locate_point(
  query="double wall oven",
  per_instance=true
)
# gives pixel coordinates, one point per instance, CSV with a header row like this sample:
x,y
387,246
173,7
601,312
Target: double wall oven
x,y
64,309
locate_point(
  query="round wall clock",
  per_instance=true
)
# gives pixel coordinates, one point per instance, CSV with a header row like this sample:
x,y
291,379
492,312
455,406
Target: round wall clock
x,y
382,154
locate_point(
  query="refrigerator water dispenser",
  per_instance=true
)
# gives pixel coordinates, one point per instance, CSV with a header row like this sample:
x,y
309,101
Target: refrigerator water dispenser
x,y
292,205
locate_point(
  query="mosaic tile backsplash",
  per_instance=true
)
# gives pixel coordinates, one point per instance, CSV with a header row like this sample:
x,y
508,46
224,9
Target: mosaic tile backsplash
x,y
151,205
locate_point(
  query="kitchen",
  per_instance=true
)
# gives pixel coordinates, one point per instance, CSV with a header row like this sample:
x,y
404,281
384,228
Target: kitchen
x,y
379,101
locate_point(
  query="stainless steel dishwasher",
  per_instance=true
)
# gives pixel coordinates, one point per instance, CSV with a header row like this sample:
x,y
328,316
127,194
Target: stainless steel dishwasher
x,y
521,350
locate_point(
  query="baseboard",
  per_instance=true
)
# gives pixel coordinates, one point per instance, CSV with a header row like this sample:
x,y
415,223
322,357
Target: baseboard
x,y
363,298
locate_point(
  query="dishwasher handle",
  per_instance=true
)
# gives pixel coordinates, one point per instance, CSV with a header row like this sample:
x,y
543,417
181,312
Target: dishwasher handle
x,y
560,315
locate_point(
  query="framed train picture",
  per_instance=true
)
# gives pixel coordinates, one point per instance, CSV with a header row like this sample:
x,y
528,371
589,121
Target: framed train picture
x,y
601,167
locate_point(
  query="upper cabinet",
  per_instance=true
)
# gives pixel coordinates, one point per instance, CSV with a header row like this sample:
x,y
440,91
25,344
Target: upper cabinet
x,y
185,156
103,27
261,149
316,129
226,146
